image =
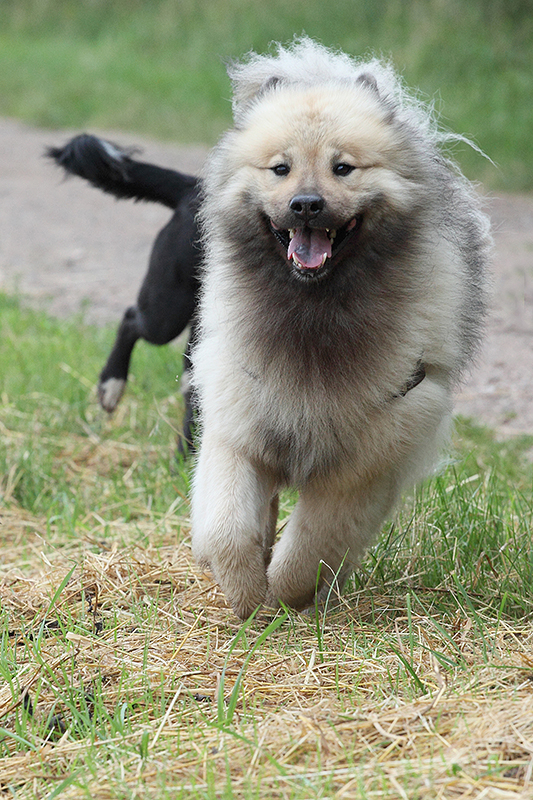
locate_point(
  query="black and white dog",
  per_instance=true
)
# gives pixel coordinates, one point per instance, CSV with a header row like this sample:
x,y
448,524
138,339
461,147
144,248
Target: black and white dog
x,y
167,299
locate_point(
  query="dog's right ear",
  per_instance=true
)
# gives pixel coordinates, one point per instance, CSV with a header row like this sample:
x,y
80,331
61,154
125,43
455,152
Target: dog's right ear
x,y
271,83
245,94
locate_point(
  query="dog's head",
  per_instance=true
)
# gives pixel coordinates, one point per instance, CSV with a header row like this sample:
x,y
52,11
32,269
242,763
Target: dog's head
x,y
318,156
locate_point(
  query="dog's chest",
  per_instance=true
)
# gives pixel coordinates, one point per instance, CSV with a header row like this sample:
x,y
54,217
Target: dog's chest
x,y
298,427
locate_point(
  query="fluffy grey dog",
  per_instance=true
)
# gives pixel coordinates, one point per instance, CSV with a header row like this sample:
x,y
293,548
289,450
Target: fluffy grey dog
x,y
342,300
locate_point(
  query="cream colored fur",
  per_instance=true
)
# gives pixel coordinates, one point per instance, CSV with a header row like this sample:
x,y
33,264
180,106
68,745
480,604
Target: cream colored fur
x,y
345,438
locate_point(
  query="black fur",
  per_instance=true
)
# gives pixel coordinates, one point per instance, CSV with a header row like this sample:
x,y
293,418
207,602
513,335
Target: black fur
x,y
167,299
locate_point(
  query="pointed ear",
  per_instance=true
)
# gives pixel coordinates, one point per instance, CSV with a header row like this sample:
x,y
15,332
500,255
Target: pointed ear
x,y
267,86
271,83
368,80
245,93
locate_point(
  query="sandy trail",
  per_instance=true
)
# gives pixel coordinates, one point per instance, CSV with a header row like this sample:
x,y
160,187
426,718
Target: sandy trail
x,y
66,247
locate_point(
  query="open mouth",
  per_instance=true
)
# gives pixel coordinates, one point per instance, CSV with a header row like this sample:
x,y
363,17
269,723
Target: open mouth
x,y
310,248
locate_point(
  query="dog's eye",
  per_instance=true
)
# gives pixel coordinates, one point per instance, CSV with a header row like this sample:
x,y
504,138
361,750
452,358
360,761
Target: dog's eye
x,y
281,169
342,169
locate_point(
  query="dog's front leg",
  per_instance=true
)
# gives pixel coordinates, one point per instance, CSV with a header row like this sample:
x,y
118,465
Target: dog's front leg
x,y
232,503
325,537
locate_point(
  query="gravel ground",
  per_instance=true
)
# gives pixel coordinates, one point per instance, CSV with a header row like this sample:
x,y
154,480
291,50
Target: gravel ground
x,y
65,246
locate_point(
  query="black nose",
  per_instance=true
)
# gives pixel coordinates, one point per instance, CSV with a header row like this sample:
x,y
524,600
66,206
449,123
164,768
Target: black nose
x,y
307,206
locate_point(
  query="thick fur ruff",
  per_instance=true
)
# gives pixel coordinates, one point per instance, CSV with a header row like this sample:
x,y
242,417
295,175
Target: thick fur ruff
x,y
343,295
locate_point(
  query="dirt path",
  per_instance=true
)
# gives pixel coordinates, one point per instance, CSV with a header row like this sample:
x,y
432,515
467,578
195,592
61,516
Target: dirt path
x,y
66,246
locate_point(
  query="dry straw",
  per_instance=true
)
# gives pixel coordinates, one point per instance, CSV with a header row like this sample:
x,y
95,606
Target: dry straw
x,y
142,624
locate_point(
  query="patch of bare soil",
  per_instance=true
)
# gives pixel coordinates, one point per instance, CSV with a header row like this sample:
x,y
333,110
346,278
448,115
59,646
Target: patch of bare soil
x,y
66,247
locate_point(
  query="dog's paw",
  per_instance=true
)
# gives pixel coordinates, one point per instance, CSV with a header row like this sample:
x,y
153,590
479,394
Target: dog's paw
x,y
324,589
110,392
299,599
245,603
240,573
292,577
245,588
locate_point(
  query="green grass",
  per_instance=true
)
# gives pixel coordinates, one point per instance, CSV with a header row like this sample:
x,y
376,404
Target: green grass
x,y
123,673
49,374
157,67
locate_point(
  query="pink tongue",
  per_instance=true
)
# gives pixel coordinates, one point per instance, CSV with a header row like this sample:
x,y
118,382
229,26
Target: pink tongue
x,y
310,245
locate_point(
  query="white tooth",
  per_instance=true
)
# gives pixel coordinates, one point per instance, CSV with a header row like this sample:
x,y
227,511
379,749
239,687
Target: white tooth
x,y
332,234
324,259
292,231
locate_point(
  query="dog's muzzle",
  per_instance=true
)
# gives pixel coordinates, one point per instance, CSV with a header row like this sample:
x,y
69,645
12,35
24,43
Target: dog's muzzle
x,y
309,247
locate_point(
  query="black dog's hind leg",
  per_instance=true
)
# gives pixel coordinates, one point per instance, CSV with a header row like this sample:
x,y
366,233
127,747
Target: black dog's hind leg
x,y
165,304
186,444
114,375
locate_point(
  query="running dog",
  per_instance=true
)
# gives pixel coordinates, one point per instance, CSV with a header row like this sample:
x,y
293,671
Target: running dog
x,y
167,300
342,300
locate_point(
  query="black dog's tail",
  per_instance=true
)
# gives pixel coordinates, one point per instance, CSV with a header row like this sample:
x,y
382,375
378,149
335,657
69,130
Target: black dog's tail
x,y
111,168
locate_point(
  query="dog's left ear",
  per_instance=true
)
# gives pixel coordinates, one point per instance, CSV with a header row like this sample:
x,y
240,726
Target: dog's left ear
x,y
368,81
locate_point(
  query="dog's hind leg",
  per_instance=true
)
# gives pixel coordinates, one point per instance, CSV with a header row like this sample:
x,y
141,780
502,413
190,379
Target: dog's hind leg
x,y
269,536
233,504
186,442
325,538
114,375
